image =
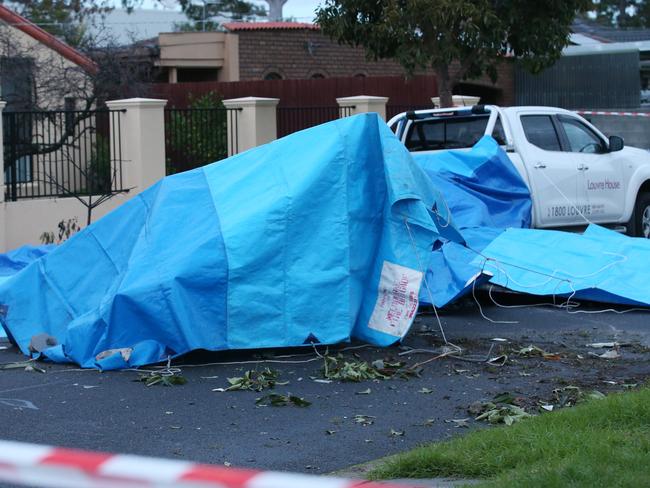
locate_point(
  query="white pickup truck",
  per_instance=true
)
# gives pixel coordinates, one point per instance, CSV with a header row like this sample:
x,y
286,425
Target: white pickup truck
x,y
574,173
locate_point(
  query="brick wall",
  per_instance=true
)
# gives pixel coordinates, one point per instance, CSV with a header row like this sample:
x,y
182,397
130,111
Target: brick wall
x,y
302,53
502,92
296,54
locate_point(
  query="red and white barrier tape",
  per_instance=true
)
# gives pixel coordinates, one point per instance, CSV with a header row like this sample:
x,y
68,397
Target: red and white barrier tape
x,y
623,114
52,467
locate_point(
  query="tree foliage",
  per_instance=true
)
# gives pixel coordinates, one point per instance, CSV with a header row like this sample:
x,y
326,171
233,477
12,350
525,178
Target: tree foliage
x,y
433,34
623,13
62,18
197,136
48,145
67,19
203,13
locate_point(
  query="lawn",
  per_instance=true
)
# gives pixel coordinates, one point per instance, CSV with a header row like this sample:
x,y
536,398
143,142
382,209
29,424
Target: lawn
x,y
599,443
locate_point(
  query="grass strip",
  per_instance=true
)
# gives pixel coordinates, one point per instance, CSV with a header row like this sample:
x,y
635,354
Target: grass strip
x,y
600,443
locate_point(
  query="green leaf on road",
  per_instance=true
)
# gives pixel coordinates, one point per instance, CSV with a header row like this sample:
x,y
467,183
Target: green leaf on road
x,y
276,400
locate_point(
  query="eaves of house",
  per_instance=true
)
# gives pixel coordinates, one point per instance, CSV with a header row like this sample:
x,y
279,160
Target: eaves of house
x,y
606,34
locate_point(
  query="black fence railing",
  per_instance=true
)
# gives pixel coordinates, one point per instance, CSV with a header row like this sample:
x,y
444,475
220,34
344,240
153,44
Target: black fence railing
x,y
294,119
195,137
62,153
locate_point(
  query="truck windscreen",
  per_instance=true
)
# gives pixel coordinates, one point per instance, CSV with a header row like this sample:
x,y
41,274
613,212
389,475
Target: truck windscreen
x,y
447,132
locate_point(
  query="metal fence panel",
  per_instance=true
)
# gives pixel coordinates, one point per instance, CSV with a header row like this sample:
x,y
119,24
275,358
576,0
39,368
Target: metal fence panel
x,y
583,82
294,119
62,153
195,137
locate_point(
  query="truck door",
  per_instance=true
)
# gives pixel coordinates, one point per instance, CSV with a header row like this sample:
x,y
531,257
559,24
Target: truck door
x,y
601,183
553,173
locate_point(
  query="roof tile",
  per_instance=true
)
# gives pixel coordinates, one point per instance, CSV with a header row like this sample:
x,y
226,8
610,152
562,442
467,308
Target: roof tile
x,y
241,26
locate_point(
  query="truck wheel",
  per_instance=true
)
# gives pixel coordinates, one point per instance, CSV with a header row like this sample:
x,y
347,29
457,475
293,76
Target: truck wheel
x,y
640,223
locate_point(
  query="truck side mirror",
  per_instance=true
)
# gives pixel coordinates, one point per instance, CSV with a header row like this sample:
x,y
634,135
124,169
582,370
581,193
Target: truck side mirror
x,y
616,143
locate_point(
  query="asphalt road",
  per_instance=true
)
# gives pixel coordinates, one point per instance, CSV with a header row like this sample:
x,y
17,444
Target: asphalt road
x,y
112,412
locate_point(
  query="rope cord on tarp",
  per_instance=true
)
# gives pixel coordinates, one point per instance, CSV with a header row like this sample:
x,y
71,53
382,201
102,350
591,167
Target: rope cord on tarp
x,y
423,270
572,204
569,304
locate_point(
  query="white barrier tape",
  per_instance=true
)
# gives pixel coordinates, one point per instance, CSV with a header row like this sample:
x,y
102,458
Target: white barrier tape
x,y
52,467
623,114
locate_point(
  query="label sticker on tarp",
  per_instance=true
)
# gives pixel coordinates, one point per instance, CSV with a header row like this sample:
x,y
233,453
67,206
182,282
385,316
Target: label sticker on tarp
x,y
397,299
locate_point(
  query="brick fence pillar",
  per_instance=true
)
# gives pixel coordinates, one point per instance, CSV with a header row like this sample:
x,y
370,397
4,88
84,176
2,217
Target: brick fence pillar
x,y
363,104
142,134
3,225
254,124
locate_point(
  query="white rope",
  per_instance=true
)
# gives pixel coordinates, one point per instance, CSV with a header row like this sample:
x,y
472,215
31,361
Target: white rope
x,y
565,197
423,270
448,218
530,305
480,307
570,307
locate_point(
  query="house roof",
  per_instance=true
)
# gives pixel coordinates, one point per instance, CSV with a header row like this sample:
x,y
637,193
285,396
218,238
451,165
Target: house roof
x,y
607,34
246,26
47,39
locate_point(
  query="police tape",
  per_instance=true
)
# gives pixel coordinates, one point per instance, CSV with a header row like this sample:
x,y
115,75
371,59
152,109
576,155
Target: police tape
x,y
53,467
622,114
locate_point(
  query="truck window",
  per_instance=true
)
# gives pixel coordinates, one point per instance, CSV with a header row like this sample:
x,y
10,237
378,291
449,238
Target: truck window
x,y
581,138
540,132
445,133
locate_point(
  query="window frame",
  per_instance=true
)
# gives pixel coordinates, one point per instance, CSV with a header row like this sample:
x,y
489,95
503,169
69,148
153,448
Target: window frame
x,y
272,75
567,143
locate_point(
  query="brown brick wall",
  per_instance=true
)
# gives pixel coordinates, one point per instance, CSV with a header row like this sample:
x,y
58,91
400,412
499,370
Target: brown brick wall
x,y
296,54
299,54
500,93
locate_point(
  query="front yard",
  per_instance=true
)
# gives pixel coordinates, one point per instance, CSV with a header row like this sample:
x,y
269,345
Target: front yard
x,y
603,442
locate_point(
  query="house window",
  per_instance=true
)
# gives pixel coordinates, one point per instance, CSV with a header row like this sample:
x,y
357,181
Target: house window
x,y
17,83
18,135
70,104
17,89
273,76
193,75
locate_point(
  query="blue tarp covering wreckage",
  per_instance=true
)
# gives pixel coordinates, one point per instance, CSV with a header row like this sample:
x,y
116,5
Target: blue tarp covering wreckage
x,y
14,261
605,266
484,194
332,233
312,238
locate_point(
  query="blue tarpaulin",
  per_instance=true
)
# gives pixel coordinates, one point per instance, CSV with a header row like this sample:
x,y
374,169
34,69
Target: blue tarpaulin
x,y
481,187
312,238
490,205
14,261
480,193
315,238
600,264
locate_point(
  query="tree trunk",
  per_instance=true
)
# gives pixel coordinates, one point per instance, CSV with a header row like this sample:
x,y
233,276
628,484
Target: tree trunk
x,y
89,213
445,86
622,13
